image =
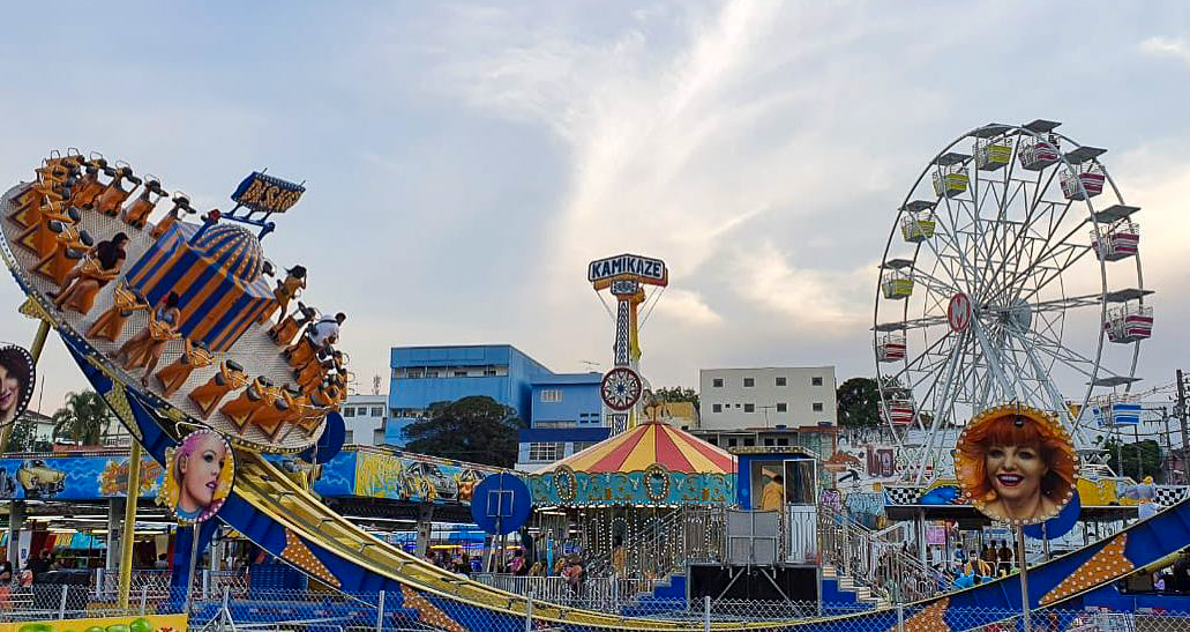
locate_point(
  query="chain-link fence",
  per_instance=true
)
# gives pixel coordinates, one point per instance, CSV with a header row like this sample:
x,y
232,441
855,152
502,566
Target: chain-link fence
x,y
315,610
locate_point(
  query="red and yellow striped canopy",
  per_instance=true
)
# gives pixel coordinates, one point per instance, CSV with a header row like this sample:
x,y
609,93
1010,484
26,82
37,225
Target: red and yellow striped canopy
x,y
646,444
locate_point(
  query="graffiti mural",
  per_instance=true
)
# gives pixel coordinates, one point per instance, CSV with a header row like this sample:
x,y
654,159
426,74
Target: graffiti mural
x,y
74,477
864,460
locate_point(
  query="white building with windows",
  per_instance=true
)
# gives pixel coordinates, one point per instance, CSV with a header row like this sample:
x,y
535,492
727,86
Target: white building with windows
x,y
366,418
769,397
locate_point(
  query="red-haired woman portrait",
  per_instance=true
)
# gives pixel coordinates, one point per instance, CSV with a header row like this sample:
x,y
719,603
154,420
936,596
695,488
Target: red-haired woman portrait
x,y
1016,465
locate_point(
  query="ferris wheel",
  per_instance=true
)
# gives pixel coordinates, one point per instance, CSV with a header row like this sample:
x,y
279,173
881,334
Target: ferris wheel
x,y
1012,274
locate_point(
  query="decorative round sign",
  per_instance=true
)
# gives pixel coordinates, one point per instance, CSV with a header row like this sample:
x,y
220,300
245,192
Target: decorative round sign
x,y
1016,464
958,313
621,388
17,377
199,475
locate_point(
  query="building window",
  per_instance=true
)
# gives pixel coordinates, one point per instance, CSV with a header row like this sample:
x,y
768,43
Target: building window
x,y
783,441
551,395
349,411
748,443
768,442
431,373
460,374
579,446
350,437
780,381
713,441
716,408
378,411
749,408
489,372
733,442
782,407
815,381
749,382
717,382
413,375
817,407
548,451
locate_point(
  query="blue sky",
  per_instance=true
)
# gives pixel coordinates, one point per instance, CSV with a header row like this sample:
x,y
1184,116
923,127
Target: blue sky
x,y
465,160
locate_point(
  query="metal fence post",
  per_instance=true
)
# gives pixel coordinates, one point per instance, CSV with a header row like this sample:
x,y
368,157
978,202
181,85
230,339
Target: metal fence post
x,y
62,605
900,617
380,612
706,613
529,612
144,599
206,582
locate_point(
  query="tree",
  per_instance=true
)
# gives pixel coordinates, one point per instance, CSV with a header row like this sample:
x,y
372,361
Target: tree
x,y
1142,458
23,437
83,419
857,401
476,428
678,394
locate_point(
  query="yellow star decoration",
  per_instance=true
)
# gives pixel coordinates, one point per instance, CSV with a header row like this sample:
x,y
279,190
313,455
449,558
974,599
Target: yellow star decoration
x,y
297,553
429,613
931,619
1107,563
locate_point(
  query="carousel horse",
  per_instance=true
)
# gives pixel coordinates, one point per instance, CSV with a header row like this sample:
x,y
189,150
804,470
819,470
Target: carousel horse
x,y
312,374
136,214
99,266
230,377
111,323
52,186
283,332
113,196
40,237
181,203
259,395
89,187
73,245
300,353
287,289
194,356
144,349
271,414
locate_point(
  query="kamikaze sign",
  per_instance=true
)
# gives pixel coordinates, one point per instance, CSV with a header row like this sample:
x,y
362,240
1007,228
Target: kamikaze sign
x,y
628,267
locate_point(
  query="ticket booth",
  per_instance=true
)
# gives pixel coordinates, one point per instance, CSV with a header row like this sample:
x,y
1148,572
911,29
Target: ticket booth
x,y
783,480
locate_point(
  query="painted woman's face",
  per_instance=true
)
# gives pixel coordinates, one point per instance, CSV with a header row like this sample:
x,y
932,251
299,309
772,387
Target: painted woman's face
x,y
1015,471
10,390
202,468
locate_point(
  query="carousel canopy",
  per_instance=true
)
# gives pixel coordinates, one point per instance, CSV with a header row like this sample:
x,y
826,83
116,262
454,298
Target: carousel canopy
x,y
646,444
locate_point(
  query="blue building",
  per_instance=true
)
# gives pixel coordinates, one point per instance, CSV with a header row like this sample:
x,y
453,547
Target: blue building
x,y
567,417
422,376
564,412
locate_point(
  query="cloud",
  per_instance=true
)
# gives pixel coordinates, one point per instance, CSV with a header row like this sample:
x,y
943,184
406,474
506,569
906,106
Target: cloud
x,y
834,303
1158,46
686,306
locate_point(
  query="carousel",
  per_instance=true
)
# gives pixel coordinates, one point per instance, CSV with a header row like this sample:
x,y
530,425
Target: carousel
x,y
655,492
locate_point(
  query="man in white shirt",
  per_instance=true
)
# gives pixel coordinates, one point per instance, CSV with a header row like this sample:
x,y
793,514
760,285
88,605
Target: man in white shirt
x,y
326,330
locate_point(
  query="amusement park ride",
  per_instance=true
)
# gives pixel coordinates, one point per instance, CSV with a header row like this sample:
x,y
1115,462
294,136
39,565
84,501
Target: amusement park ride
x,y
192,306
1012,274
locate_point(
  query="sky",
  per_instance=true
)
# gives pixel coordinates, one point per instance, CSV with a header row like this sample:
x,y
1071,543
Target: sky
x,y
464,161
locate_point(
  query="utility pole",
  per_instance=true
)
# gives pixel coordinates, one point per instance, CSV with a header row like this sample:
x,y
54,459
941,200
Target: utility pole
x,y
1168,469
1180,410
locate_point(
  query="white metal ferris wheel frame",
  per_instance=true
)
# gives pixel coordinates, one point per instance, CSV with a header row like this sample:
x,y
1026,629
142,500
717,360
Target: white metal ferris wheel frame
x,y
973,358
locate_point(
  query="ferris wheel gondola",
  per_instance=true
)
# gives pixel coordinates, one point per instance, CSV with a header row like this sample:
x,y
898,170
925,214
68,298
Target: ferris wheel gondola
x,y
990,292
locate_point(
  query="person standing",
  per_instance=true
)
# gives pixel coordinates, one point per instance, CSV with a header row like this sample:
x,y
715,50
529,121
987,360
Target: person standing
x,y
1005,555
773,496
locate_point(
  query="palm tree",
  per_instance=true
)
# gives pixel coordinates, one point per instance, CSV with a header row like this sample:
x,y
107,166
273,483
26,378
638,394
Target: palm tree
x,y
82,420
